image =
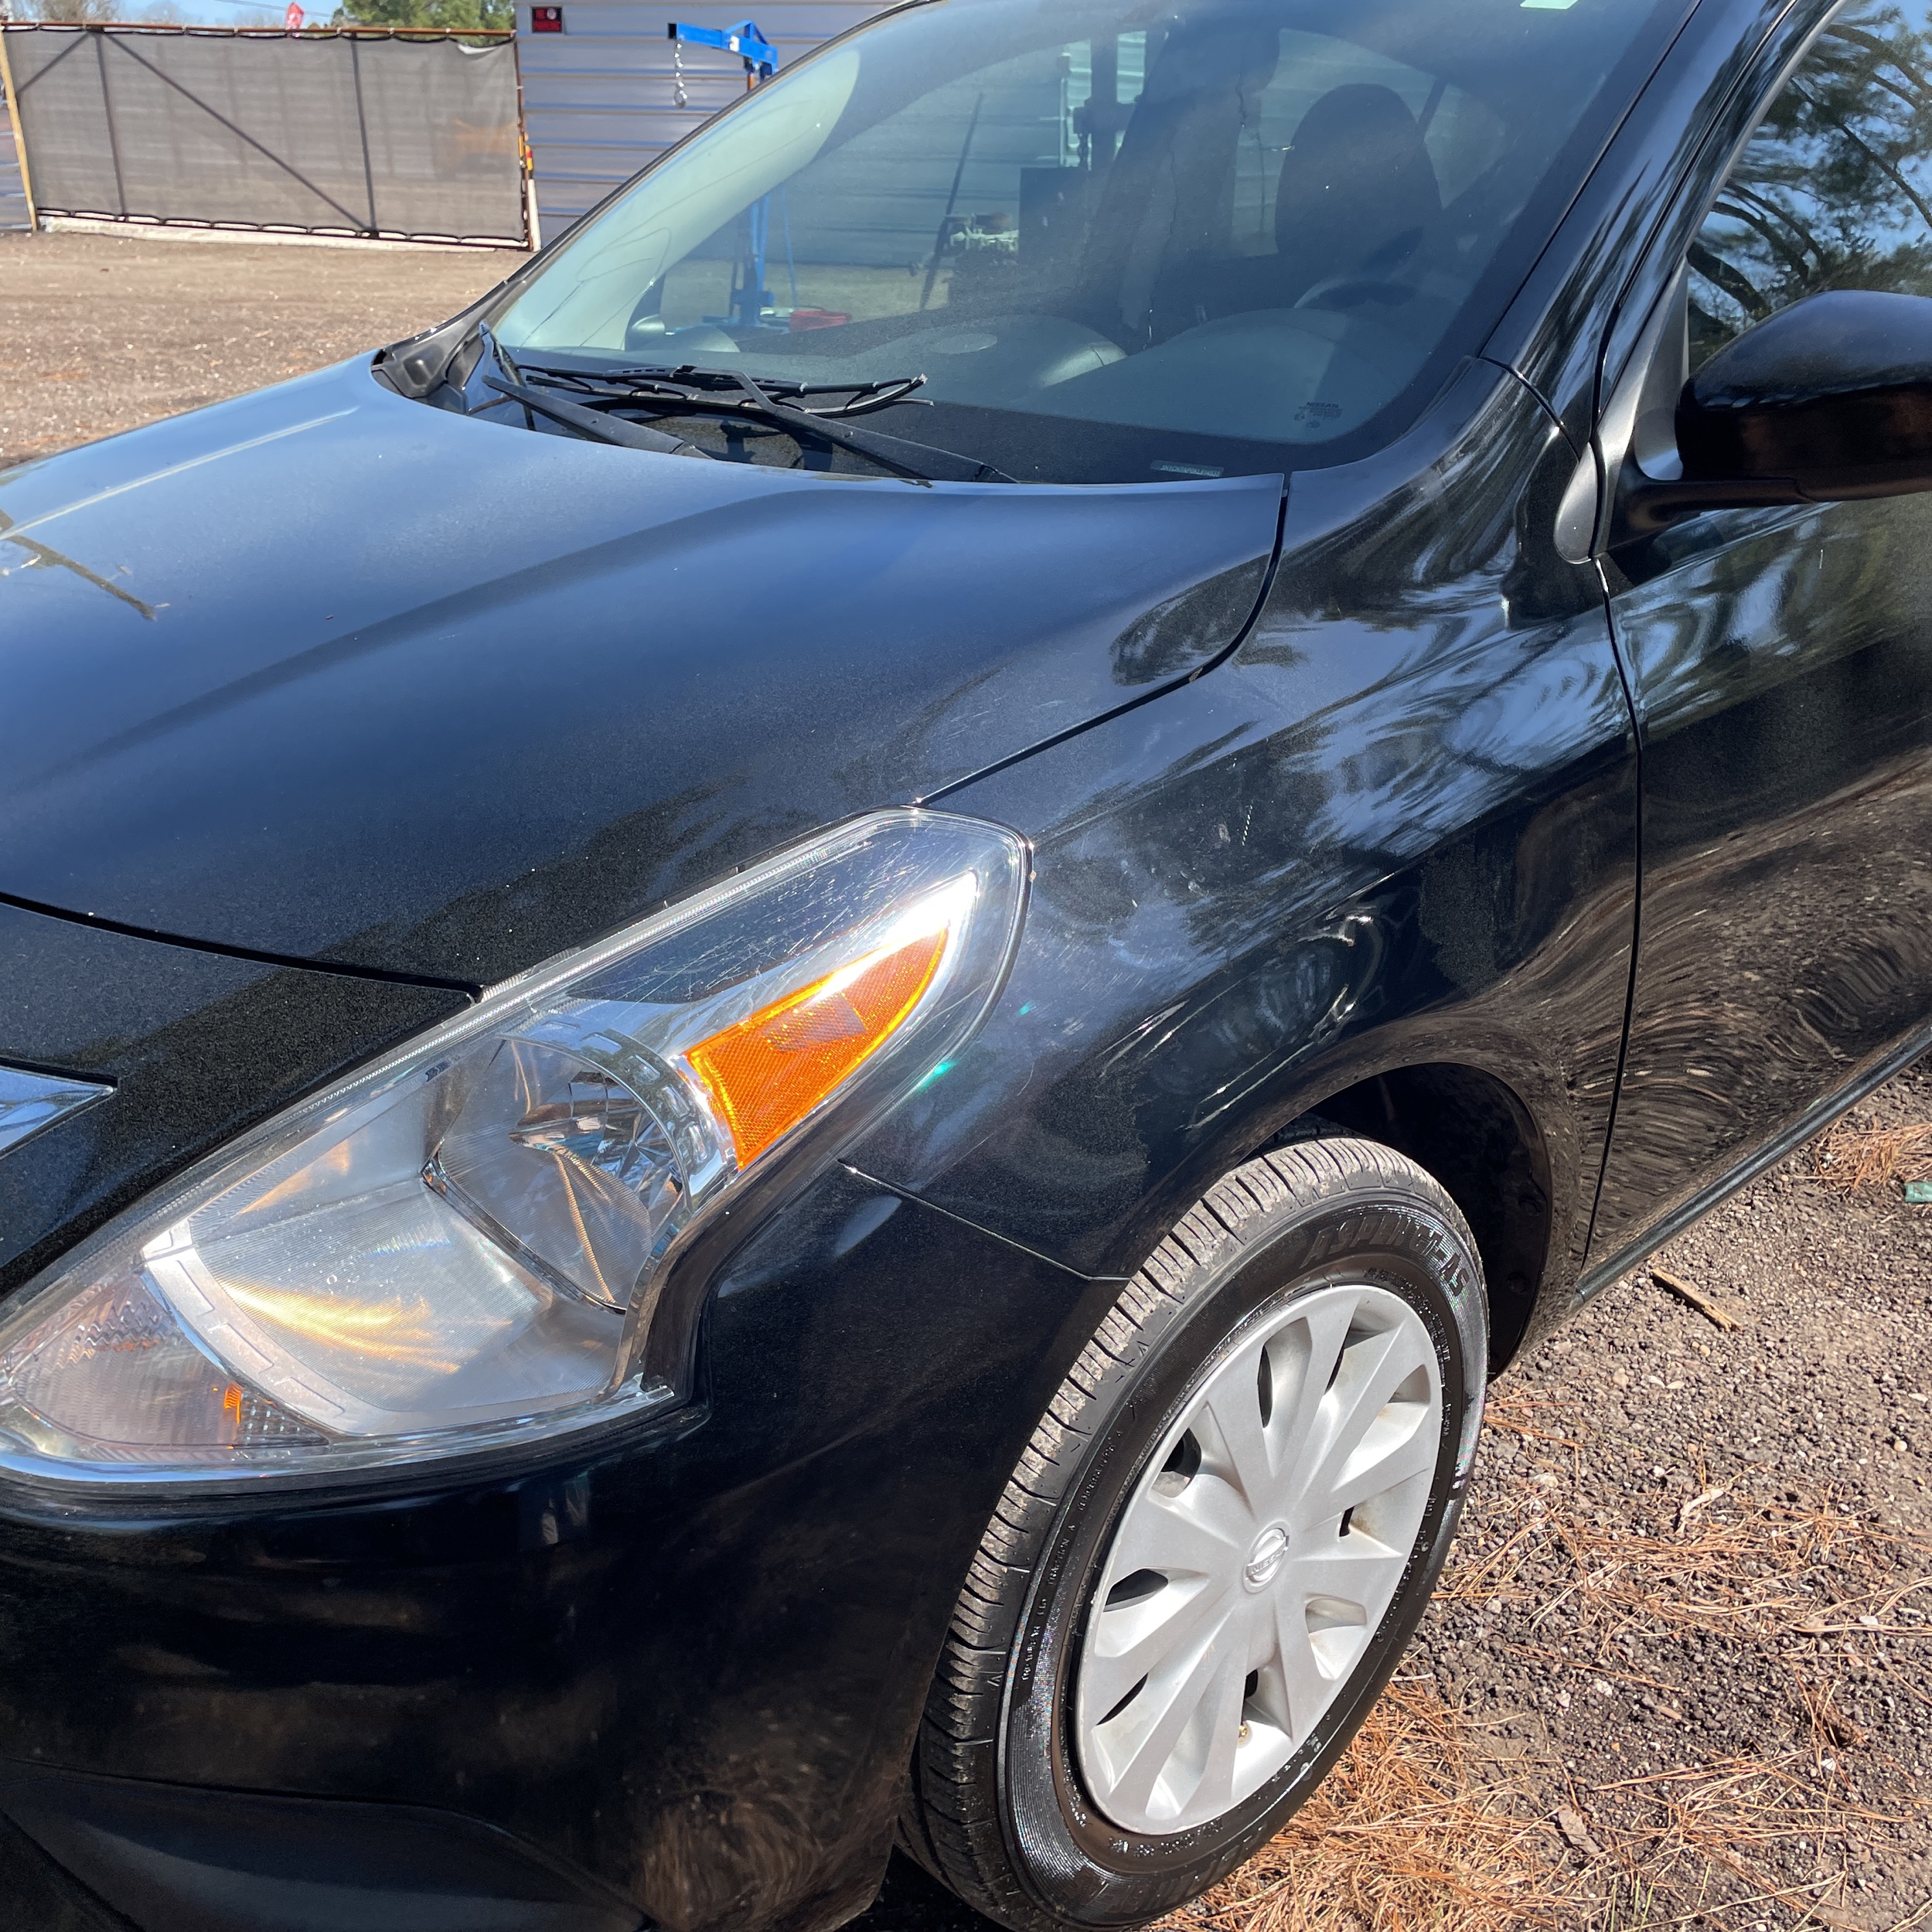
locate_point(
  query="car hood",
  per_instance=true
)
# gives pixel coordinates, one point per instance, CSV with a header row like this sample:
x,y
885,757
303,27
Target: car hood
x,y
328,674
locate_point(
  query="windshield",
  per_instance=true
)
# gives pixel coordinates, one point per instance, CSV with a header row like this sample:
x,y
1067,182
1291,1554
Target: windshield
x,y
1120,241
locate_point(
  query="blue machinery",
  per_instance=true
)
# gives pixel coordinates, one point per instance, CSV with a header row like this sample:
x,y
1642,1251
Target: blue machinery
x,y
759,56
750,297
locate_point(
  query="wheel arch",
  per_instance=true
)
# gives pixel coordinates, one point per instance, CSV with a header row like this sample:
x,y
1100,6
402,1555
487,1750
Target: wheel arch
x,y
1475,1134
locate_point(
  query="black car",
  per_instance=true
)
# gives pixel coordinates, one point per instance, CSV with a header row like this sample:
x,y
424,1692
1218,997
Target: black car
x,y
788,1027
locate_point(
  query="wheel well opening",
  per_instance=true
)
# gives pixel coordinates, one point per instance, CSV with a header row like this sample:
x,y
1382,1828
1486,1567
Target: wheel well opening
x,y
1477,1138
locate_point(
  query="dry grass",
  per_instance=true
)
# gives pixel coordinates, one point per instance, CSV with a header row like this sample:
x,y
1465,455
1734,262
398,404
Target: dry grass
x,y
1763,1558
1423,1825
1851,1156
1404,1833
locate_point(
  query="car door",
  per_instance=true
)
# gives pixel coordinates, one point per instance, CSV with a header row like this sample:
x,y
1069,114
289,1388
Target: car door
x,y
1781,669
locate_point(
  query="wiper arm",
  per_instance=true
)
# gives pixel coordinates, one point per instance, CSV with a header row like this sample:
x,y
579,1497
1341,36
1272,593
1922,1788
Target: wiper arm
x,y
594,423
665,395
925,462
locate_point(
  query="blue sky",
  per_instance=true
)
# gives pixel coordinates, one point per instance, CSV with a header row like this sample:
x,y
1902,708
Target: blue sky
x,y
232,13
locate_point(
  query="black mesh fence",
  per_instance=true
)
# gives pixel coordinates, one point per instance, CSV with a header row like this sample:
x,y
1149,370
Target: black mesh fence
x,y
329,133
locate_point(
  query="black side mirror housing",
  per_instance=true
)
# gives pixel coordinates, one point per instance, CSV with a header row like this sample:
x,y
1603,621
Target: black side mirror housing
x,y
1826,400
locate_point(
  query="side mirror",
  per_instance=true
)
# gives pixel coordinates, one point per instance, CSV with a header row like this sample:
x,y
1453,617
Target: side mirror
x,y
1828,400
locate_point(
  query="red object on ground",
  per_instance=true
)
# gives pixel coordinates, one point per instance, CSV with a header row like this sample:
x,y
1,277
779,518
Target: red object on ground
x,y
818,318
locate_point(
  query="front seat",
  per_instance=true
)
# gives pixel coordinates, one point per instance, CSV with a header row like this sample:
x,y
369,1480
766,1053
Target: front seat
x,y
1357,191
1356,195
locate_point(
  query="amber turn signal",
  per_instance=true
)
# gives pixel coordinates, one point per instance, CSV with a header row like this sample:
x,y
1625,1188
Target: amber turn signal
x,y
766,1073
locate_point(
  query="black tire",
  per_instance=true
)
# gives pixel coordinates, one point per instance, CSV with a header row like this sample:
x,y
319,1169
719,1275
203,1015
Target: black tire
x,y
996,1809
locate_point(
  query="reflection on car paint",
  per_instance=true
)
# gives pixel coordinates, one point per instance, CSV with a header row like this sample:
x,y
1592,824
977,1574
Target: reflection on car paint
x,y
31,1101
1779,662
47,557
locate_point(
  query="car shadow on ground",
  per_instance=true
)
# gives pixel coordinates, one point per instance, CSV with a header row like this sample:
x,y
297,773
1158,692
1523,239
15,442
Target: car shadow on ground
x,y
911,1902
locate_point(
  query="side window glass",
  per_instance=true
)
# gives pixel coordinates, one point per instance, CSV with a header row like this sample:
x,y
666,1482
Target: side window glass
x,y
1835,190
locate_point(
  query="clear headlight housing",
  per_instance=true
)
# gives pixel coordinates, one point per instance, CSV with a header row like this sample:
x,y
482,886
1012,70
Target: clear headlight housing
x,y
461,1246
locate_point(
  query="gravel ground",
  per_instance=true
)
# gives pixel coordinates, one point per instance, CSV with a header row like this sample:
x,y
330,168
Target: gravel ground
x,y
1678,1672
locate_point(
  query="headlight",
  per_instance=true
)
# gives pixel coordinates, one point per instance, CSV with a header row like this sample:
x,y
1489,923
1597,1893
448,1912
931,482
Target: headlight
x,y
461,1245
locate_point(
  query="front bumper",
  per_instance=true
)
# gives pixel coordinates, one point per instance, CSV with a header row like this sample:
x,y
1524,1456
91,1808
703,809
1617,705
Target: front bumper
x,y
685,1676
170,1859
676,1677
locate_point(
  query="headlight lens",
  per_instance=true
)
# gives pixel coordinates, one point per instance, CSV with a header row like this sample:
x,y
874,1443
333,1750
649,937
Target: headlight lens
x,y
458,1247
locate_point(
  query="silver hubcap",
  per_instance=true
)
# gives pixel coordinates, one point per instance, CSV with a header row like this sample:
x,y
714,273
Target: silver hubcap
x,y
1257,1557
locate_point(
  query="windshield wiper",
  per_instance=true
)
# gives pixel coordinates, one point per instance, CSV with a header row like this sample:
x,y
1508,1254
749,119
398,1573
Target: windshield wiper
x,y
587,422
688,379
593,423
729,392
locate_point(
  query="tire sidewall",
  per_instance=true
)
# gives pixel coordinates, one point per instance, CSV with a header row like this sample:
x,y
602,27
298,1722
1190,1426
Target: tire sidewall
x,y
1082,1867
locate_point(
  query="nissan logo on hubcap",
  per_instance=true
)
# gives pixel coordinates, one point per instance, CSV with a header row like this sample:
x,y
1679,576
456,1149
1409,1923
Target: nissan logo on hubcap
x,y
1266,1557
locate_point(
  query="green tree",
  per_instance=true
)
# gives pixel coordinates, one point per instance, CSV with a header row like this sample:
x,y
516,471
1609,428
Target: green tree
x,y
463,16
1835,190
87,13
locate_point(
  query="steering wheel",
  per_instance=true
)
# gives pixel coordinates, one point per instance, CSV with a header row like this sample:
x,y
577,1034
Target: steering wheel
x,y
1352,291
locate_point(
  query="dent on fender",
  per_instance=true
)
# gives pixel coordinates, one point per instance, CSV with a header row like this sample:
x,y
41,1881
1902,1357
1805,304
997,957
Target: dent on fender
x,y
1396,828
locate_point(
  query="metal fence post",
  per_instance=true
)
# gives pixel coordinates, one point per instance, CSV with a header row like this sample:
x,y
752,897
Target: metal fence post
x,y
526,161
362,123
108,112
19,133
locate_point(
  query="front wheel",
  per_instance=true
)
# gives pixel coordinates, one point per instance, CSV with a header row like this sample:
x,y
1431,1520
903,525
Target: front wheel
x,y
1215,1549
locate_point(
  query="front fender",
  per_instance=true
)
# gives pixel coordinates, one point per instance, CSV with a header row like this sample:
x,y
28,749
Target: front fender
x,y
1399,828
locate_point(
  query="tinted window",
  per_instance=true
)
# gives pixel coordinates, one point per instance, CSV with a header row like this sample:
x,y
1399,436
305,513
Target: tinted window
x,y
1118,239
1835,190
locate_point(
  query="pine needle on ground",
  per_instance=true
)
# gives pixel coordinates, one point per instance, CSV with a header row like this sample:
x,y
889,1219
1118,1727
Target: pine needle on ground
x,y
1430,1821
1851,1156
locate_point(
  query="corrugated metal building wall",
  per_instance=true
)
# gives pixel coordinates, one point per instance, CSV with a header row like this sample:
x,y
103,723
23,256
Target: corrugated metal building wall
x,y
598,97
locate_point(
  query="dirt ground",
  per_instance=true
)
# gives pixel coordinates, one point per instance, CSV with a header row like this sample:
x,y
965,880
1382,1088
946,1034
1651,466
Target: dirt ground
x,y
98,333
1680,1670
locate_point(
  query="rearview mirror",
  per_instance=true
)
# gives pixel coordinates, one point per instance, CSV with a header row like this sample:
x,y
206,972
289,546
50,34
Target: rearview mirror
x,y
1828,400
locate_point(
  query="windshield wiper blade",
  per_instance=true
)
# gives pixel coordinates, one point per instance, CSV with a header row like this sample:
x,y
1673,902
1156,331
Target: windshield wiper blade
x,y
694,378
861,399
664,395
921,462
594,423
